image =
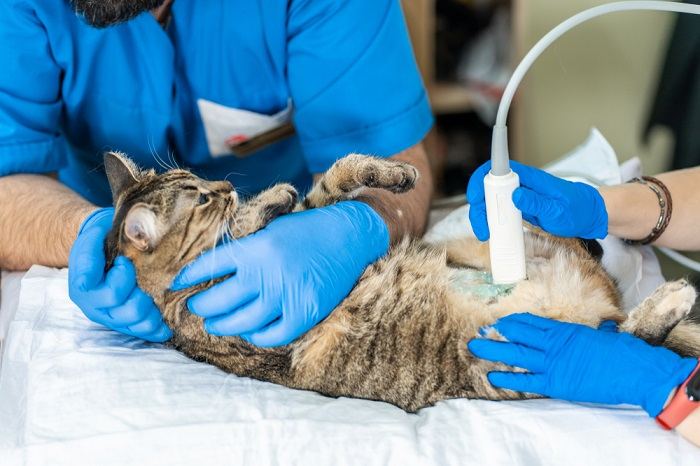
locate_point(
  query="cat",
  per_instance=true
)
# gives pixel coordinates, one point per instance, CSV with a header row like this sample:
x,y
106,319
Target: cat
x,y
401,335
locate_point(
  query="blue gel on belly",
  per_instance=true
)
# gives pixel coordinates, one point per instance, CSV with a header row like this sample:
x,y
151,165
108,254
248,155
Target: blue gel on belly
x,y
477,283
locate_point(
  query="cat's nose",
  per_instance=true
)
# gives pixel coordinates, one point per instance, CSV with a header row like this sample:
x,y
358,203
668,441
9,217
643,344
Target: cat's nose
x,y
222,186
234,196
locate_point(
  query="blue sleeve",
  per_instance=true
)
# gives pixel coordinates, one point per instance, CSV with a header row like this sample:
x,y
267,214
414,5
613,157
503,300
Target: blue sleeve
x,y
353,79
30,104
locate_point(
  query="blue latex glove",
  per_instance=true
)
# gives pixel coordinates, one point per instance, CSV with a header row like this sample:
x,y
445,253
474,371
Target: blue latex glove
x,y
288,276
560,207
577,363
112,299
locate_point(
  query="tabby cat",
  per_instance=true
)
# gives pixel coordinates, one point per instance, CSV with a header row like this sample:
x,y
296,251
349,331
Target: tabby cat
x,y
401,334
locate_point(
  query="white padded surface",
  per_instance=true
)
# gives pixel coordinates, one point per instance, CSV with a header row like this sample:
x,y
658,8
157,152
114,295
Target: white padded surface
x,y
9,298
74,393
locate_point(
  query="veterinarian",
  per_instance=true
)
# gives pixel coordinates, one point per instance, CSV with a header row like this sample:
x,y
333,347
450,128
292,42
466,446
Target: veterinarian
x,y
189,82
578,363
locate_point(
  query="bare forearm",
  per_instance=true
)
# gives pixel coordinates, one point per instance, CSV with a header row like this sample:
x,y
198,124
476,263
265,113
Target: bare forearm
x,y
633,210
39,220
690,428
405,214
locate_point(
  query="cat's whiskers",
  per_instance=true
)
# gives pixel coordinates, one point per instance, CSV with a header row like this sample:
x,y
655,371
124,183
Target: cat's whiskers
x,y
156,156
224,232
229,218
230,230
228,237
223,237
152,150
227,224
212,248
233,173
171,159
160,161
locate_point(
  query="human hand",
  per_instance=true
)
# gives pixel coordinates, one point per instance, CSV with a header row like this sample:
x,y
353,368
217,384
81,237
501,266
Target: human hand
x,y
288,276
558,206
112,299
577,363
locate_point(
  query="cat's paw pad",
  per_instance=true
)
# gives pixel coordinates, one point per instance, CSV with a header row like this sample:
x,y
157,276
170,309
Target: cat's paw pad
x,y
674,300
397,177
288,194
280,200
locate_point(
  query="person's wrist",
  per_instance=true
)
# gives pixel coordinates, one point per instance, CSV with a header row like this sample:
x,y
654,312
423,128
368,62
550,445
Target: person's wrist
x,y
669,397
599,223
632,210
658,397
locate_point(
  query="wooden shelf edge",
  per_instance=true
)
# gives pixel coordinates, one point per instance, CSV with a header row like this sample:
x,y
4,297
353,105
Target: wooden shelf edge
x,y
446,98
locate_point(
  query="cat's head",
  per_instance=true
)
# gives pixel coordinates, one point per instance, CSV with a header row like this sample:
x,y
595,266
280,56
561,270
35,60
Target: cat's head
x,y
164,220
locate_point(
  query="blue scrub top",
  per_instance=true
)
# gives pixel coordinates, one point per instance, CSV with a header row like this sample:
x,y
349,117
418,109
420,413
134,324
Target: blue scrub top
x,y
69,92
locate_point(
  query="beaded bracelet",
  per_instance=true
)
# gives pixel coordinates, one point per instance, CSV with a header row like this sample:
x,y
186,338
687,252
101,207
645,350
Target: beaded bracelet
x,y
665,203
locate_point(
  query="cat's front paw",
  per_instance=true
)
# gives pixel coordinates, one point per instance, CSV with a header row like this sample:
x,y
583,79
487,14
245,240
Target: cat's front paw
x,y
397,177
278,200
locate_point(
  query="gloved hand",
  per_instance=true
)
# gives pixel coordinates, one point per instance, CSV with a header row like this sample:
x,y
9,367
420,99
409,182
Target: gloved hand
x,y
288,276
577,363
558,206
113,299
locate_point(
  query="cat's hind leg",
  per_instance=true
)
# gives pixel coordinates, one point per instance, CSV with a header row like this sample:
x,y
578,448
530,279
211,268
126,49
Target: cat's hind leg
x,y
259,211
658,314
349,176
663,319
684,338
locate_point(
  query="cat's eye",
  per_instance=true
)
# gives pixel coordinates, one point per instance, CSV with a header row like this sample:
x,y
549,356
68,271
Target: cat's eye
x,y
203,199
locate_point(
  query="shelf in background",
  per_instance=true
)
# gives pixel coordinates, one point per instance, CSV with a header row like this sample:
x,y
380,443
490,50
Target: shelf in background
x,y
448,98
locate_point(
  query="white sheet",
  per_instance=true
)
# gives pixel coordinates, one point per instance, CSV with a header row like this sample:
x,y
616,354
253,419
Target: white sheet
x,y
9,299
73,393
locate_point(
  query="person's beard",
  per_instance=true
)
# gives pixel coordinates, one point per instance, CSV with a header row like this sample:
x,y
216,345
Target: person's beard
x,y
103,13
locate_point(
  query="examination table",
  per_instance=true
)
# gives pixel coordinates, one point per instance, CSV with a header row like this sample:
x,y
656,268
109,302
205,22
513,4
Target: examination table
x,y
73,393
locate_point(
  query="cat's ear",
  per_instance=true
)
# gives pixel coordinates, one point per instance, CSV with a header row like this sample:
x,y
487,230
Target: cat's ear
x,y
142,227
122,173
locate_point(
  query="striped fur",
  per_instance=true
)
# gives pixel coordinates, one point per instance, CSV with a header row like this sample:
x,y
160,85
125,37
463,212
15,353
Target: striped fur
x,y
400,336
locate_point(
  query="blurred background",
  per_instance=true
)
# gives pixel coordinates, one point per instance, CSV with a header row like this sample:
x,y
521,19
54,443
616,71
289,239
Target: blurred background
x,y
635,76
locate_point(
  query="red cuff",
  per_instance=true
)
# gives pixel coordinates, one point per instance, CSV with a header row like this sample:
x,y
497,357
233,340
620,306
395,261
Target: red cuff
x,y
680,406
